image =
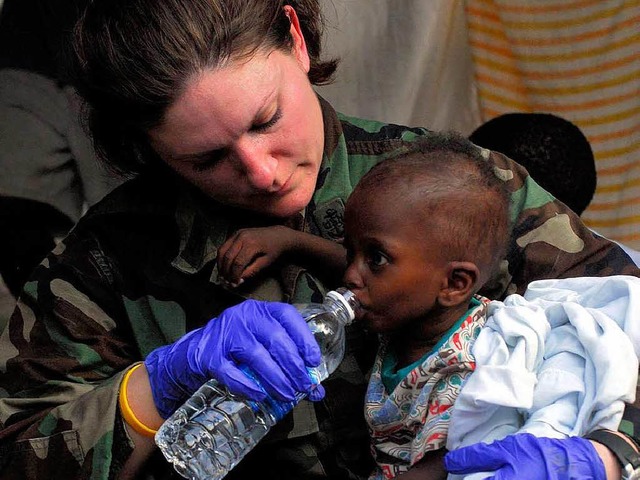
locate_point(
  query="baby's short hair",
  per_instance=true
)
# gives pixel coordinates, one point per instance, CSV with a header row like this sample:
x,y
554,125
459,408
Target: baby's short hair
x,y
456,189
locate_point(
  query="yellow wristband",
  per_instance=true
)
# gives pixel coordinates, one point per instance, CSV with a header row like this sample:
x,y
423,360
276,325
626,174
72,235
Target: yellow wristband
x,y
125,408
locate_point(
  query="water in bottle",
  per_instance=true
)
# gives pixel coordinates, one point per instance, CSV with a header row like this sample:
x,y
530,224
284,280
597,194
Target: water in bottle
x,y
209,435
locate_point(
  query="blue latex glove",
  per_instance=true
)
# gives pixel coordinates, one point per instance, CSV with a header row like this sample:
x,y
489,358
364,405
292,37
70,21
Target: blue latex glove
x,y
270,338
526,457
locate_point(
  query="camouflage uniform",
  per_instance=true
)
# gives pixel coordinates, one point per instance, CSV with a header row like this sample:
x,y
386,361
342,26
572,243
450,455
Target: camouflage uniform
x,y
139,270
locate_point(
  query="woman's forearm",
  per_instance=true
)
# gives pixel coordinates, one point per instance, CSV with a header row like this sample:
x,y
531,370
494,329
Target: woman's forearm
x,y
140,400
611,465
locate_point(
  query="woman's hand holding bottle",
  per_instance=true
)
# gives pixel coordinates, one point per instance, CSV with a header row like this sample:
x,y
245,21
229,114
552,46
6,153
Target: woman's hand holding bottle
x,y
271,339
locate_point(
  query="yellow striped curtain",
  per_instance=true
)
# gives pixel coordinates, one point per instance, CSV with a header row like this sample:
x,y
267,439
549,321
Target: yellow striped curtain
x,y
579,59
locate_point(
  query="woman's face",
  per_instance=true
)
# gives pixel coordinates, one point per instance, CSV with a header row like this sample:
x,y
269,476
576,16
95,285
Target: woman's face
x,y
248,134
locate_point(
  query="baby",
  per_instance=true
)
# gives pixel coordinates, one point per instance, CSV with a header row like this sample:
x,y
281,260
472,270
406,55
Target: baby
x,y
420,243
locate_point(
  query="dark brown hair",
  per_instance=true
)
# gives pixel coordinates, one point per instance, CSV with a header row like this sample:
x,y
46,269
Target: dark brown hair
x,y
132,59
457,193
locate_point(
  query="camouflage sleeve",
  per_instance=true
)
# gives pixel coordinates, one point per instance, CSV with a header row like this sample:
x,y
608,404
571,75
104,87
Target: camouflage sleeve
x,y
62,360
548,240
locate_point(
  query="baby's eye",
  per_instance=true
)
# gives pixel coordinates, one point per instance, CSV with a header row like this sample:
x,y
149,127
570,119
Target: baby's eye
x,y
377,259
350,255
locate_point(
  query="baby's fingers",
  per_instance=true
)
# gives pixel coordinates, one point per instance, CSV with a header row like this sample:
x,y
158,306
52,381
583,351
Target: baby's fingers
x,y
227,254
235,260
258,264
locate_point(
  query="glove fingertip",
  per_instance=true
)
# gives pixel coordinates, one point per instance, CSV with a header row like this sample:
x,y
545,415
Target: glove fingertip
x,y
451,463
317,393
473,458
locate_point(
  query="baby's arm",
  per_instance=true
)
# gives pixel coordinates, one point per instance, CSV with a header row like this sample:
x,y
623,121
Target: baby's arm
x,y
250,250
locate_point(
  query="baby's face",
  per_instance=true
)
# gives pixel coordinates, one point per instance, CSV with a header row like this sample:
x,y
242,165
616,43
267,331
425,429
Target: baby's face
x,y
395,268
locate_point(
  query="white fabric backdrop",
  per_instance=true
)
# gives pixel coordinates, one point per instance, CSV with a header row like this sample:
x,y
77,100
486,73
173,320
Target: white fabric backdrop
x,y
403,61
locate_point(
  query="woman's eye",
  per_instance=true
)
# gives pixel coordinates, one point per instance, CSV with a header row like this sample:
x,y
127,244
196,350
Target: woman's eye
x,y
203,166
209,161
269,123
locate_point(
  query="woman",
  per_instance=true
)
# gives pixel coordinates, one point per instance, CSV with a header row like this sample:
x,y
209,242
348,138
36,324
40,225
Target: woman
x,y
211,104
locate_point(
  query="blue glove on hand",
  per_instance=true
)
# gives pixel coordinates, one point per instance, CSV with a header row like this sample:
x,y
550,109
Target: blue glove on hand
x,y
270,338
526,457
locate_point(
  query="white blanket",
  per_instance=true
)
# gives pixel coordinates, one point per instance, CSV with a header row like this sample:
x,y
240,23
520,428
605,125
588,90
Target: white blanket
x,y
560,361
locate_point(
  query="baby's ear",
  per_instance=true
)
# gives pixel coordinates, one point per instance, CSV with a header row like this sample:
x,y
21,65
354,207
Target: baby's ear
x,y
459,284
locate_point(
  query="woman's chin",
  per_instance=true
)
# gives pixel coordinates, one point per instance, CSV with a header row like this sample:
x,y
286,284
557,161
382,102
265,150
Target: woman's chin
x,y
286,206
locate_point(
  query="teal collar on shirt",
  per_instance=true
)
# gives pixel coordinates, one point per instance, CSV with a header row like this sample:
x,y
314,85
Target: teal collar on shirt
x,y
392,377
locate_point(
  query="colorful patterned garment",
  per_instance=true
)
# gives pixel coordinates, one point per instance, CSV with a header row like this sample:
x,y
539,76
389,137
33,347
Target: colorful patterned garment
x,y
414,418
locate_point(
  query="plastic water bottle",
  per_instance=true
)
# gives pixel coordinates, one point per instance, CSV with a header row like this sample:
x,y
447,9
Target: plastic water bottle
x,y
213,430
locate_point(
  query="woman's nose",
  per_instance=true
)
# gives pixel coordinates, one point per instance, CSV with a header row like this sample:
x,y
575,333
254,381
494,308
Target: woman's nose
x,y
257,164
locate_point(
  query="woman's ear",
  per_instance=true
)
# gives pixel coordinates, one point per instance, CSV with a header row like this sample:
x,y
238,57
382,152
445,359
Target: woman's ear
x,y
299,44
459,284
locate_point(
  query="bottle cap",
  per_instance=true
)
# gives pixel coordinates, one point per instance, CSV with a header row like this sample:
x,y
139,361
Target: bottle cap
x,y
348,299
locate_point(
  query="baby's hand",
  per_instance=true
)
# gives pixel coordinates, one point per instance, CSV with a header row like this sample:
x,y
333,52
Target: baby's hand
x,y
250,250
